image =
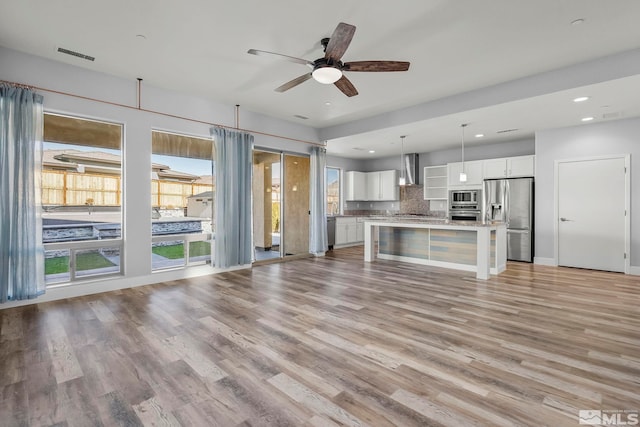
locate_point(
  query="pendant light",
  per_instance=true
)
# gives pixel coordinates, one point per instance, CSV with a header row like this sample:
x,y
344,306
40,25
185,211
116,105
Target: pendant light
x,y
402,180
463,175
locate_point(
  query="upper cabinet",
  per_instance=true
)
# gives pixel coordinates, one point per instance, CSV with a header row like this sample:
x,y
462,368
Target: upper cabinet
x,y
473,170
389,188
371,186
521,166
435,182
355,185
511,167
383,185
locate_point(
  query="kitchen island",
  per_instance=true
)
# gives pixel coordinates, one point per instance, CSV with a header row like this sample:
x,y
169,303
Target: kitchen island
x,y
462,245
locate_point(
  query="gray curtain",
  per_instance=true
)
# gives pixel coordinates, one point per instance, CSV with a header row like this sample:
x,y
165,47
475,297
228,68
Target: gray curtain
x,y
21,250
318,219
233,241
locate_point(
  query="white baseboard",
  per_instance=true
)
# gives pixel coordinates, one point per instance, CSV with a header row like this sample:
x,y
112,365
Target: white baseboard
x,y
114,283
551,262
634,270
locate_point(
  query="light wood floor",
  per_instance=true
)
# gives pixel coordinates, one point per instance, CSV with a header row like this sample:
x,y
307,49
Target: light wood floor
x,y
329,341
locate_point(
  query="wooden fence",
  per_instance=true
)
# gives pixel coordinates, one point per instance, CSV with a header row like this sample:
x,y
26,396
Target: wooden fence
x,y
73,188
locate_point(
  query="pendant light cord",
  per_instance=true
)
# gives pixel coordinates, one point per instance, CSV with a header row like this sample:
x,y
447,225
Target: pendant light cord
x,y
402,177
463,126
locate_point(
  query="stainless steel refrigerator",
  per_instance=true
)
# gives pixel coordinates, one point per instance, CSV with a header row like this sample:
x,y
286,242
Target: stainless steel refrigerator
x,y
511,201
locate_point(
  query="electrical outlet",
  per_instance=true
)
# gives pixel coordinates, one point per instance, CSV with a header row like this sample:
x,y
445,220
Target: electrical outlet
x,y
357,205
391,204
370,205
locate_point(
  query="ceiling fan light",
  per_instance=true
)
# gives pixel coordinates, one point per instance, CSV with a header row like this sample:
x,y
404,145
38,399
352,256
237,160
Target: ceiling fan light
x,y
463,177
326,75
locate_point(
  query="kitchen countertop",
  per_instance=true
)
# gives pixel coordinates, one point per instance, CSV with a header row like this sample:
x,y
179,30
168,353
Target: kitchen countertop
x,y
435,221
407,216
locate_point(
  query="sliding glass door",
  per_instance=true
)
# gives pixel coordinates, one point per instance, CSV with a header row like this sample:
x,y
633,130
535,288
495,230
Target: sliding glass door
x,y
296,204
280,205
266,205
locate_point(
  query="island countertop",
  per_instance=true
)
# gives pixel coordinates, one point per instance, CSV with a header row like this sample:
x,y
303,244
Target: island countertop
x,y
410,220
466,245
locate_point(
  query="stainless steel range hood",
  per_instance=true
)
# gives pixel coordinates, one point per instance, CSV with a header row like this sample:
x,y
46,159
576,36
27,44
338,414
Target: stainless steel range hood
x,y
411,169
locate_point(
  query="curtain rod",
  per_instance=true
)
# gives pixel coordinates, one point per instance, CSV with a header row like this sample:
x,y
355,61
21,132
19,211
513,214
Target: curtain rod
x,y
20,85
158,112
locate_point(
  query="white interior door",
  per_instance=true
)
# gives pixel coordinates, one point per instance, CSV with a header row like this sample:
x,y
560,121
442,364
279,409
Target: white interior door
x,y
591,214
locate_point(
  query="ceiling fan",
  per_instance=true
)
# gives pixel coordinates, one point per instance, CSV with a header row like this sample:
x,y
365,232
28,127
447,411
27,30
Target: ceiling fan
x,y
330,68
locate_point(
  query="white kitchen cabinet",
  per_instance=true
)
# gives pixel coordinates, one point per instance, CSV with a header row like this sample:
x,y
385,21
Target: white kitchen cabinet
x,y
509,167
355,186
494,168
382,185
473,170
435,182
360,229
521,166
371,186
389,189
347,231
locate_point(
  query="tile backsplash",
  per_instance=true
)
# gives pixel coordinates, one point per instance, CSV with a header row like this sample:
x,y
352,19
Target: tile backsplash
x,y
411,202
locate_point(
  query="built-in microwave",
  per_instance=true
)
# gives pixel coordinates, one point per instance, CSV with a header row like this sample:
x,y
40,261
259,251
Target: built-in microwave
x,y
464,197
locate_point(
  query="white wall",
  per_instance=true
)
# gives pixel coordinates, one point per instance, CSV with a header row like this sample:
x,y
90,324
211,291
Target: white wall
x,y
598,139
35,71
345,164
521,147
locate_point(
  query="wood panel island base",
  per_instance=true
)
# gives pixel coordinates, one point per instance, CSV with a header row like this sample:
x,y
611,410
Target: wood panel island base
x,y
461,245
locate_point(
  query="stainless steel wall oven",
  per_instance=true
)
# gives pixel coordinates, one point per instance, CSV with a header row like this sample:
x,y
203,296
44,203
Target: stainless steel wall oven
x,y
465,205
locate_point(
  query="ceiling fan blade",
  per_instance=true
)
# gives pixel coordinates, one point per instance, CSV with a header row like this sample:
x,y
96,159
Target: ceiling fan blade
x,y
376,66
345,85
339,41
293,83
287,57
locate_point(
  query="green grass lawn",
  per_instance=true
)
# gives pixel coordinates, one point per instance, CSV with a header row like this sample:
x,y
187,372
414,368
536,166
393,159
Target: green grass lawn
x,y
169,251
93,260
84,261
177,251
199,249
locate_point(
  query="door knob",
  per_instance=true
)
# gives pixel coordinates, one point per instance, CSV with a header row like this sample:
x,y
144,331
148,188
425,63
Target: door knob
x,y
564,219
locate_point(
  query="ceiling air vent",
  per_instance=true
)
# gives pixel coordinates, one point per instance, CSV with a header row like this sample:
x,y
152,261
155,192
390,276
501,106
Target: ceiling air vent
x,y
614,115
76,54
506,130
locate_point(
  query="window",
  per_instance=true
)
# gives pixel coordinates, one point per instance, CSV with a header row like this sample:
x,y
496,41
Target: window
x,y
182,200
333,191
81,198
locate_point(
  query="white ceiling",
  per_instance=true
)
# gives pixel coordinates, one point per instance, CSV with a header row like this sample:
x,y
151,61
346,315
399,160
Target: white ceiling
x,y
456,49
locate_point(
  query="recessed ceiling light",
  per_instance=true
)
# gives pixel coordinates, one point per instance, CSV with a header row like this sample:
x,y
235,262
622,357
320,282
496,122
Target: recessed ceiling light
x,y
577,21
327,103
581,99
587,119
372,151
141,36
479,135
